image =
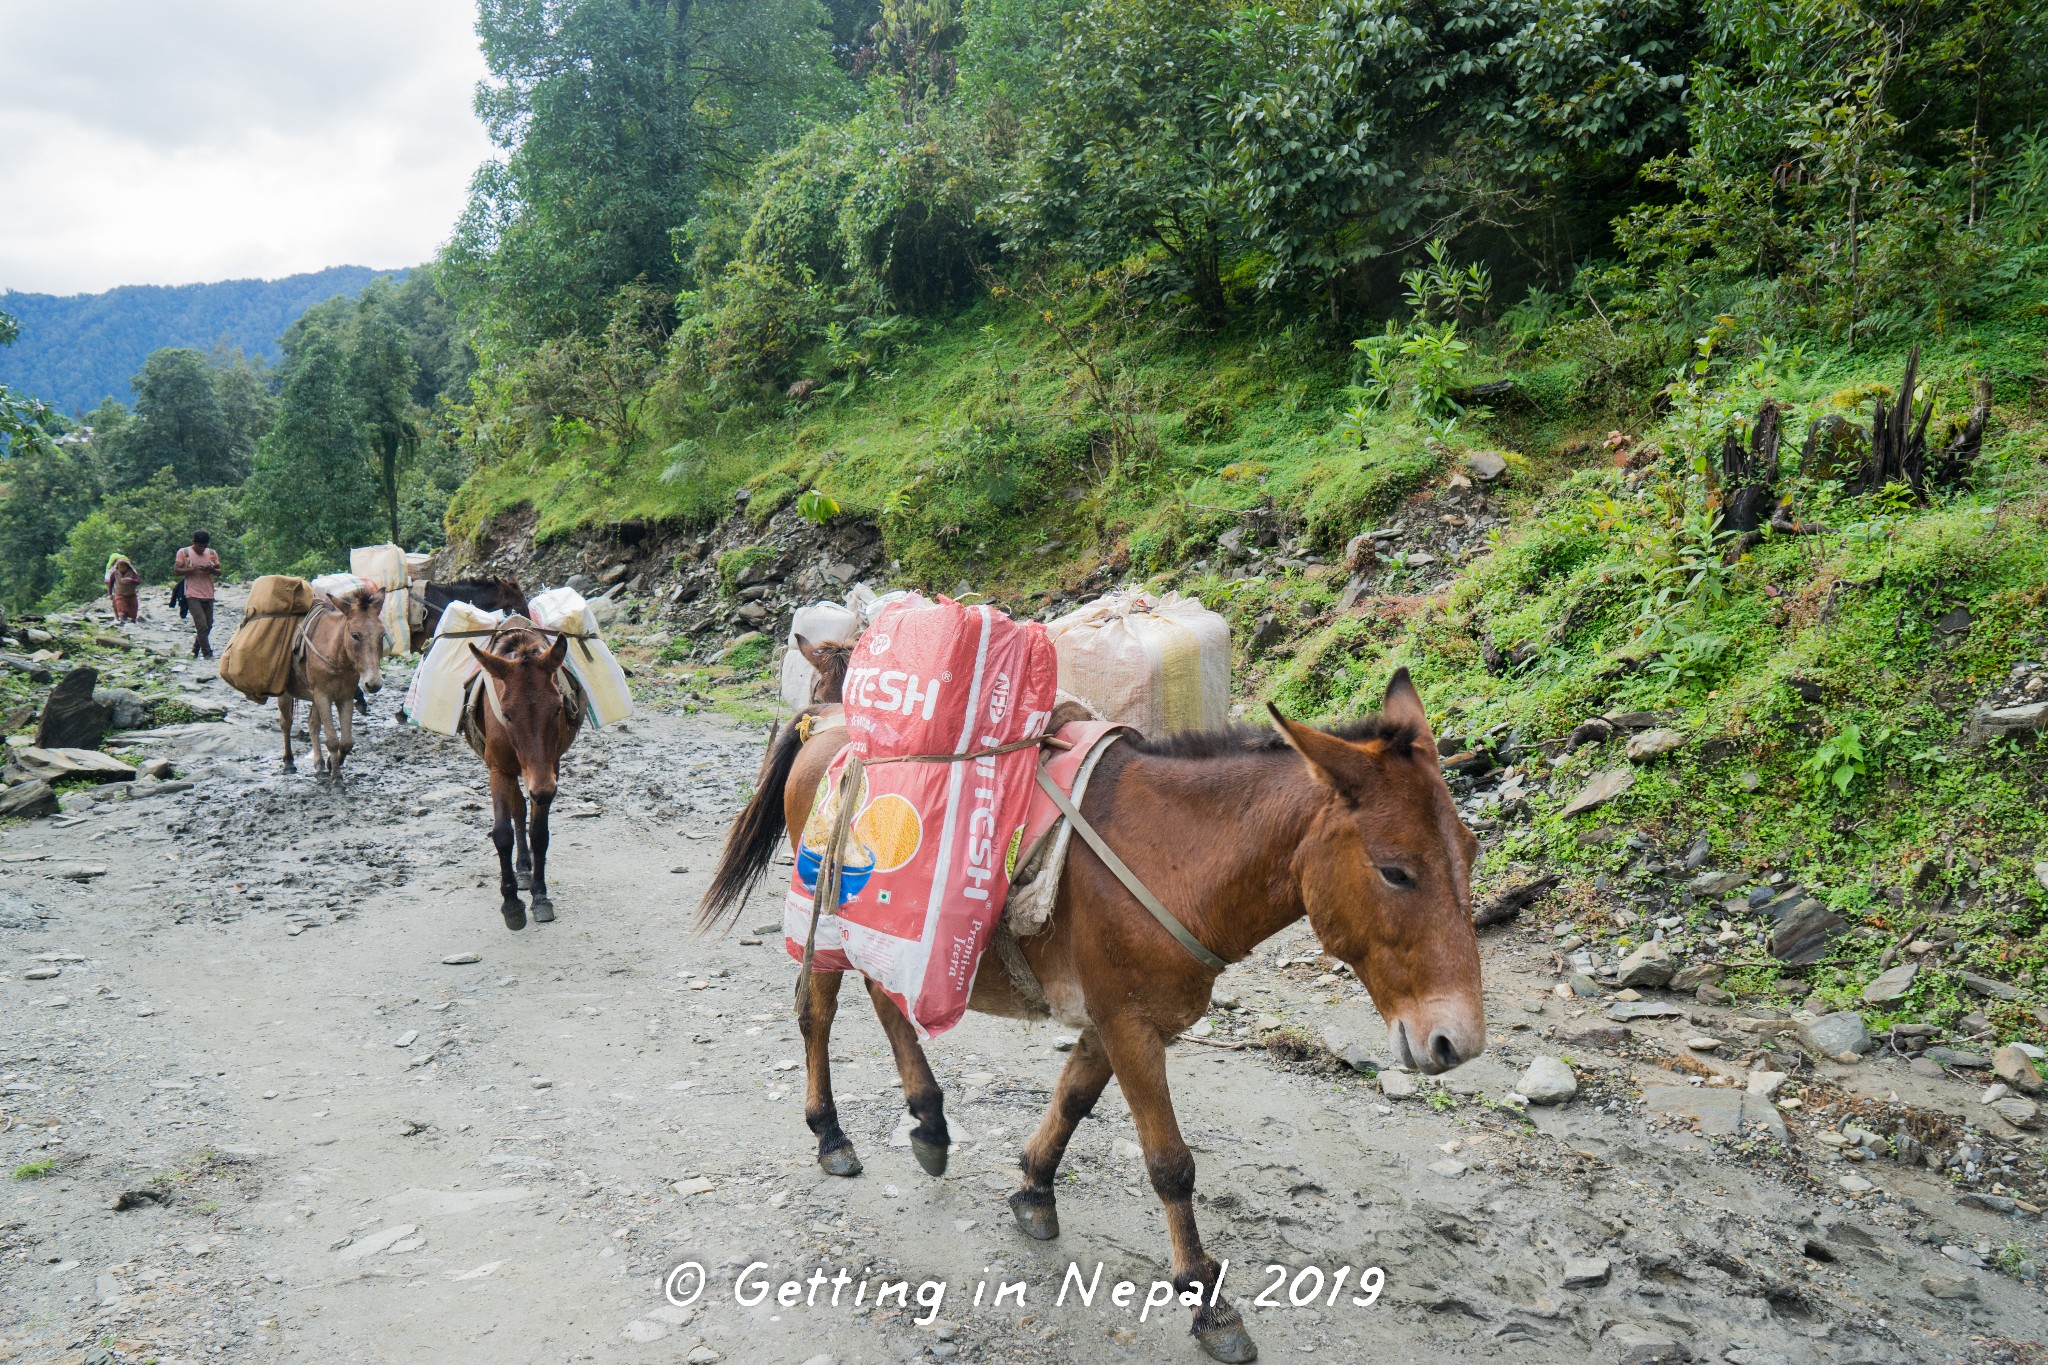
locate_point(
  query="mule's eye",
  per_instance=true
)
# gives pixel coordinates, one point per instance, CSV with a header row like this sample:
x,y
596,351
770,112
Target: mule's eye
x,y
1397,877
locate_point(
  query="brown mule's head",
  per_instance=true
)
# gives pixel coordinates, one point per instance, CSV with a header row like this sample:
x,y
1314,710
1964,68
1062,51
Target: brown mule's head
x,y
362,635
829,658
524,681
1386,876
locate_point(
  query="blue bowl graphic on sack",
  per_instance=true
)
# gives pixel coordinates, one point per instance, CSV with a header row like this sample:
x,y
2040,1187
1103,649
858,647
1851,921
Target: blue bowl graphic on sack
x,y
852,876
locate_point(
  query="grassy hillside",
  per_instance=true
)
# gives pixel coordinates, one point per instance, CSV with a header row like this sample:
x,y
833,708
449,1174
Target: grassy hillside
x,y
1819,685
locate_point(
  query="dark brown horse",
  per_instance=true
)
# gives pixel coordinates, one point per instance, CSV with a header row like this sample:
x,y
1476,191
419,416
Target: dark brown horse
x,y
490,594
1241,833
528,715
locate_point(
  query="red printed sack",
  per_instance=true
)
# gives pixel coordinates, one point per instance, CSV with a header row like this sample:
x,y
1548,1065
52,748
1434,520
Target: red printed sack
x,y
927,862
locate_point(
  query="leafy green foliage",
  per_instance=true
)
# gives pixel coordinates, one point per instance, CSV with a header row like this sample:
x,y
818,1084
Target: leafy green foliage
x,y
615,117
815,507
311,496
1841,760
148,524
1131,144
179,425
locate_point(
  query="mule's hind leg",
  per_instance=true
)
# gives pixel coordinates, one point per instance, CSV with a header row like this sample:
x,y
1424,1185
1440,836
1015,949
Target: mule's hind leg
x,y
284,719
1139,1056
927,1103
522,861
504,795
835,1150
1080,1086
543,907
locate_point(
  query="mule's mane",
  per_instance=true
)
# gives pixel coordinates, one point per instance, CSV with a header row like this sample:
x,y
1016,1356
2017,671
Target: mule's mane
x,y
355,599
1229,741
520,643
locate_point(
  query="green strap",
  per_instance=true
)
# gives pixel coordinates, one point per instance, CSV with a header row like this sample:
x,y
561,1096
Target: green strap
x,y
1129,878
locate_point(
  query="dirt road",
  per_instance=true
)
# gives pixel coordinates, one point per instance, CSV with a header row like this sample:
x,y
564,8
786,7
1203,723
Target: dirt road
x,y
294,1093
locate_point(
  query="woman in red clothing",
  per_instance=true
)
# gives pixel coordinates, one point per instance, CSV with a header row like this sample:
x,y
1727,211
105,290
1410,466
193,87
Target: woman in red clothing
x,y
123,587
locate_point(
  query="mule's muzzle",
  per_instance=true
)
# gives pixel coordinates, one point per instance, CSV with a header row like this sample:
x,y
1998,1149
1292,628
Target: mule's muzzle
x,y
374,685
1436,1045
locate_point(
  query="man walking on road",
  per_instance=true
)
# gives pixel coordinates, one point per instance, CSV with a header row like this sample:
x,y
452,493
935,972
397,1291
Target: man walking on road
x,y
198,566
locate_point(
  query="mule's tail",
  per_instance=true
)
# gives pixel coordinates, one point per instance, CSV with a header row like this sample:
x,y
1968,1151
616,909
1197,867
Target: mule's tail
x,y
754,836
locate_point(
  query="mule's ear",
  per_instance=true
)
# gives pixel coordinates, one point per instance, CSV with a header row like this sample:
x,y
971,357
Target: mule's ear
x,y
817,653
558,653
1334,762
501,669
1403,705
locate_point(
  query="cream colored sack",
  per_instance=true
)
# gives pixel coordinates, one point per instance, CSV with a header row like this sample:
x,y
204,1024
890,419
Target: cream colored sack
x,y
384,565
592,664
1158,664
434,699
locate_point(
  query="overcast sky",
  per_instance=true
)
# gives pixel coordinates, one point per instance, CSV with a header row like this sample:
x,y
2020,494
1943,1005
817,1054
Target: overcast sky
x,y
174,141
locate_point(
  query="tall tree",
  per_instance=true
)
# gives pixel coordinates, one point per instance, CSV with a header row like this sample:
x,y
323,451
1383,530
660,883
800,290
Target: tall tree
x,y
380,377
1133,141
21,418
178,426
311,497
614,116
247,407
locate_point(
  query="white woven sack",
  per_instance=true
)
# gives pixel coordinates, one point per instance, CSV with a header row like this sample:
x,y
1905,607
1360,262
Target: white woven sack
x,y
1157,664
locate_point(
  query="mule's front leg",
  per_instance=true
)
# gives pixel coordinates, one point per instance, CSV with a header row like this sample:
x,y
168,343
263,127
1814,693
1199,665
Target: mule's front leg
x,y
543,908
316,734
505,792
344,735
927,1103
522,858
835,1150
1080,1086
1139,1056
284,718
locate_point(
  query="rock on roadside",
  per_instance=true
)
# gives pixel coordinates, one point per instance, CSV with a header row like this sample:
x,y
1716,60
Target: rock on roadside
x,y
1547,1081
1831,1035
71,718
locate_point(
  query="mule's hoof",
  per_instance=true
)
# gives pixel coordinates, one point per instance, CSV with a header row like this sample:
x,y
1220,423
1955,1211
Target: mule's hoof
x,y
1036,1213
841,1160
543,910
515,914
929,1155
1228,1341
523,879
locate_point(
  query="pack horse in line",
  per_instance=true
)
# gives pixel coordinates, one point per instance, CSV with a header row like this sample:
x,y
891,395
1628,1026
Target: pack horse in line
x,y
1242,833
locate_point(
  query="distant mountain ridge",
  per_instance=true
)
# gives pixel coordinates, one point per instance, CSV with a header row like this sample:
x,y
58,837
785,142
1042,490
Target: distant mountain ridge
x,y
78,349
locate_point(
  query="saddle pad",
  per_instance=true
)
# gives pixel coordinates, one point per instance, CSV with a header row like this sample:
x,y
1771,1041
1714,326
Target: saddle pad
x,y
1035,876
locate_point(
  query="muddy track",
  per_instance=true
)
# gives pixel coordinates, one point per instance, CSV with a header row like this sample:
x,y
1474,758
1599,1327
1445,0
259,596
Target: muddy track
x,y
337,1140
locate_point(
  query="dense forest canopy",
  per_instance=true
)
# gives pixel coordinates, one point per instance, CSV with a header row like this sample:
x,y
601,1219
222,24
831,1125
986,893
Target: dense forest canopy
x,y
78,349
706,214
347,440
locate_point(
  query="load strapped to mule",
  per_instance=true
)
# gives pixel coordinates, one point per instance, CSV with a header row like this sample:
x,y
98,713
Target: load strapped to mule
x,y
258,660
939,802
443,690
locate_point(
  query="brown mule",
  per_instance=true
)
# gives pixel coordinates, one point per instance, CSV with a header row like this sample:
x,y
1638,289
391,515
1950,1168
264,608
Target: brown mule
x,y
340,647
528,721
1241,833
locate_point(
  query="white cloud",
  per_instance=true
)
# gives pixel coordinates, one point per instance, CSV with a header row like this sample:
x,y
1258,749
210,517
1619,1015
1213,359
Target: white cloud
x,y
174,141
